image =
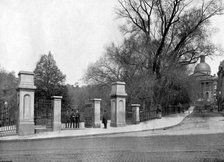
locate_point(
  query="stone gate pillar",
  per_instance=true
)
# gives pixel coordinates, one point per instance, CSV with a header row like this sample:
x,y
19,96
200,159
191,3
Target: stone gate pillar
x,y
135,113
118,104
96,112
25,99
56,102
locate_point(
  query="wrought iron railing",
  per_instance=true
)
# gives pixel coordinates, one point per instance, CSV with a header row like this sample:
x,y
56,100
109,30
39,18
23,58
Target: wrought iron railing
x,y
148,115
43,112
7,119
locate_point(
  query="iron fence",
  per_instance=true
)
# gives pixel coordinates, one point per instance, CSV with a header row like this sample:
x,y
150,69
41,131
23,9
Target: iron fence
x,y
172,109
43,112
129,116
148,115
7,118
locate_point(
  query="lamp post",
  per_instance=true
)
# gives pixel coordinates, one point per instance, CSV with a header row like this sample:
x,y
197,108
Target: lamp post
x,y
219,100
5,113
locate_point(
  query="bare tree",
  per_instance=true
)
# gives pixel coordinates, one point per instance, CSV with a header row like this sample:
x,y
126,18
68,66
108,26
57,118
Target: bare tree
x,y
175,31
118,63
162,37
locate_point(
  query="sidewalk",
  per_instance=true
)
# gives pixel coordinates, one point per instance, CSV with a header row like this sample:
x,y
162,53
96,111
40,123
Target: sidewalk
x,y
164,122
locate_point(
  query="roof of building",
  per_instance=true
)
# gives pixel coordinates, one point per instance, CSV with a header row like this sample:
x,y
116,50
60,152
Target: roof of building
x,y
202,67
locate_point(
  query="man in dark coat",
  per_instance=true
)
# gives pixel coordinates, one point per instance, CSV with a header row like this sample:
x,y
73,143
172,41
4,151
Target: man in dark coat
x,y
104,120
72,119
67,118
77,119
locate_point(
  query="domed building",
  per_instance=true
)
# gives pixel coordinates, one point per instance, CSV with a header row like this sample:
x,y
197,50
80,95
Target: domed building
x,y
202,68
207,83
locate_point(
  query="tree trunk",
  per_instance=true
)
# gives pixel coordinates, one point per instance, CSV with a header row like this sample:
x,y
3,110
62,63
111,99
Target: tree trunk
x,y
156,68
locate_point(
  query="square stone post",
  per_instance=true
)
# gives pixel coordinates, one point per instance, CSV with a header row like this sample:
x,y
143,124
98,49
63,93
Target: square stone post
x,y
135,113
25,101
56,102
118,104
96,112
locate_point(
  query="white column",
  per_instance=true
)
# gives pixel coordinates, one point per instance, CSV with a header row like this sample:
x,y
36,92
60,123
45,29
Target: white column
x,y
96,112
25,99
135,113
118,104
56,112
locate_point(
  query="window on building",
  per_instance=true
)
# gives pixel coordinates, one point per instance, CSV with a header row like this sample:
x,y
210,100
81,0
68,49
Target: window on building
x,y
206,95
207,86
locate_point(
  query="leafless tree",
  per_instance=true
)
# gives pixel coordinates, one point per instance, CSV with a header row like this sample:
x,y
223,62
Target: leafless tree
x,y
175,31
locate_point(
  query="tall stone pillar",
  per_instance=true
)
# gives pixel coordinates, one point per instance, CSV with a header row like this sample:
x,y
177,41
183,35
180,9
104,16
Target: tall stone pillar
x,y
135,113
96,112
56,102
25,98
118,104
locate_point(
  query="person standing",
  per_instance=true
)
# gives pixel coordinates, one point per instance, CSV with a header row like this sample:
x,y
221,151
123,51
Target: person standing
x,y
72,118
77,119
105,119
67,118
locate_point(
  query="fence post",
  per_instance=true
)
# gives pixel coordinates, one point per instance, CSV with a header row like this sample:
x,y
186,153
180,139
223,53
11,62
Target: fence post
x,y
25,100
135,113
118,104
96,112
56,102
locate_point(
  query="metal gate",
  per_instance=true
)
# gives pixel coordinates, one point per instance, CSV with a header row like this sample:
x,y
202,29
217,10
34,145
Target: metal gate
x,y
7,118
128,115
43,113
88,115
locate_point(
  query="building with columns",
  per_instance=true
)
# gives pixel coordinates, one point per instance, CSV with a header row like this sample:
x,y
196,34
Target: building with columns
x,y
220,87
206,83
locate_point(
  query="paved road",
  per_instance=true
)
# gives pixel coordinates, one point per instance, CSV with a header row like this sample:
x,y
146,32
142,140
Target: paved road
x,y
126,147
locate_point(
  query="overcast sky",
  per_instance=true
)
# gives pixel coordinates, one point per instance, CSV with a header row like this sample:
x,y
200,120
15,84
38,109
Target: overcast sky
x,y
75,31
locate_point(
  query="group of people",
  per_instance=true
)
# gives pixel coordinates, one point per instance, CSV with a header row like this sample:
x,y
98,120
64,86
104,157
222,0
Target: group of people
x,y
72,119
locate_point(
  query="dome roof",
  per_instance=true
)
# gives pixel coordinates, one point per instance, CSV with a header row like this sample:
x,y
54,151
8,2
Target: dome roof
x,y
202,67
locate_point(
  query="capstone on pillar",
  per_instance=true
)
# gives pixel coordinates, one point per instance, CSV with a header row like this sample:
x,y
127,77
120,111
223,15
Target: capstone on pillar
x,y
25,99
118,104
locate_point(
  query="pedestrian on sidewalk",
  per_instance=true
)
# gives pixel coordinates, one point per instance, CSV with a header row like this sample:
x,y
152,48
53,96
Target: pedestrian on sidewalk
x,y
159,111
67,119
104,120
77,119
72,118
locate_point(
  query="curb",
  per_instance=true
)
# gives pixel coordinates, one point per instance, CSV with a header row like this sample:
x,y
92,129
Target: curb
x,y
93,135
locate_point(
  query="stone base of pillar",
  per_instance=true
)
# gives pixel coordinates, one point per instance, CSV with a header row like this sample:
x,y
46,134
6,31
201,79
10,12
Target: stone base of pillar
x,y
57,126
96,125
25,128
117,124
